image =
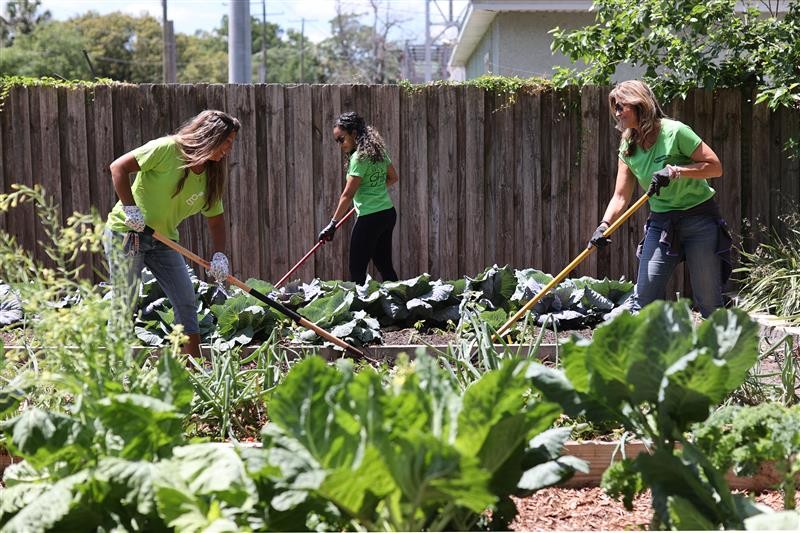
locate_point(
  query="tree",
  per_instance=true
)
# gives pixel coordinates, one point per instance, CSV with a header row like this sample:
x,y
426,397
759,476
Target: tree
x,y
357,53
123,47
202,57
20,18
690,43
52,49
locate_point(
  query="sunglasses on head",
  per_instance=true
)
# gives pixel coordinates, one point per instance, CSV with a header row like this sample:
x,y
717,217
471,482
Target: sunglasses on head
x,y
619,108
339,140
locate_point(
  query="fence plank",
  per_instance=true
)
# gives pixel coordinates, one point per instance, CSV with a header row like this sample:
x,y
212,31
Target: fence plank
x,y
38,167
588,188
414,188
76,151
276,158
386,118
727,145
18,131
472,223
241,213
328,184
447,250
100,132
300,176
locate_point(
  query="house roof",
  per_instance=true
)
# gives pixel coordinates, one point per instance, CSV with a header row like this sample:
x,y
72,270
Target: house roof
x,y
481,13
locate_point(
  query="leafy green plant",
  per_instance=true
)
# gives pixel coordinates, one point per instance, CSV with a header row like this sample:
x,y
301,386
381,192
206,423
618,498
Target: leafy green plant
x,y
744,438
656,374
770,276
688,44
415,455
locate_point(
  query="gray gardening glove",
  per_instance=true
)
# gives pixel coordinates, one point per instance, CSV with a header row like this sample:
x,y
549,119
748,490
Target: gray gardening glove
x,y
219,268
134,218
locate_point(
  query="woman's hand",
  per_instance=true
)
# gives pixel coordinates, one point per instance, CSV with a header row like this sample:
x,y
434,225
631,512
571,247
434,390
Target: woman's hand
x,y
327,232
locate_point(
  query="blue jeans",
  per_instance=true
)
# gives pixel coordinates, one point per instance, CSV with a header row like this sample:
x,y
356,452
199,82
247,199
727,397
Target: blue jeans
x,y
167,266
698,237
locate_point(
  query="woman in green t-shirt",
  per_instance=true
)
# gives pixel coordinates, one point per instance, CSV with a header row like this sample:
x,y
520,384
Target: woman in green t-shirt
x,y
369,173
176,176
685,222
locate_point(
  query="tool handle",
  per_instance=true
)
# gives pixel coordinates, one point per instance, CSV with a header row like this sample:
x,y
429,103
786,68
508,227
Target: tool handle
x,y
258,295
570,267
311,251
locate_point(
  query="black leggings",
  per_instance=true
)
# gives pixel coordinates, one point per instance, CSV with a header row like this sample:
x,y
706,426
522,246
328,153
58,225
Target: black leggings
x,y
372,239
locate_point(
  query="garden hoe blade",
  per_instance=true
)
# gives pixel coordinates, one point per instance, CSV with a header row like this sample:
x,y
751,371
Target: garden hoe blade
x,y
570,267
258,295
311,251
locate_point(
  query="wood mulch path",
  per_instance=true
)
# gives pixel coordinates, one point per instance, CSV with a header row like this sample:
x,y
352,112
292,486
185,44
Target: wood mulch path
x,y
589,509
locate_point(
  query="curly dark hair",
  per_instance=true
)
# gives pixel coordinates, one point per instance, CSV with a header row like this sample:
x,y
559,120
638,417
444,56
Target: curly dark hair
x,y
369,143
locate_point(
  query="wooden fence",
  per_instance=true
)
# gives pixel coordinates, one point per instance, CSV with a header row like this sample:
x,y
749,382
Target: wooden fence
x,y
483,179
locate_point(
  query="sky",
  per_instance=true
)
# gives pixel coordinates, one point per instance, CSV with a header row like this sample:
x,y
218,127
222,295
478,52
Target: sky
x,y
191,15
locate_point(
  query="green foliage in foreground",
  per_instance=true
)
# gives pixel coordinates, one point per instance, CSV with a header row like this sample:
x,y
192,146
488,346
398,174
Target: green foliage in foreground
x,y
342,452
743,438
657,374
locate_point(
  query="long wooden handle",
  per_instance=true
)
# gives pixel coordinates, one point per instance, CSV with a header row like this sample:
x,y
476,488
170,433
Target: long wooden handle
x,y
260,296
570,267
311,251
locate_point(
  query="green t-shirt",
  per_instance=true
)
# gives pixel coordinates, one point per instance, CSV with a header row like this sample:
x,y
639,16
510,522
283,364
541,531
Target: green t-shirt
x,y
160,163
675,144
371,195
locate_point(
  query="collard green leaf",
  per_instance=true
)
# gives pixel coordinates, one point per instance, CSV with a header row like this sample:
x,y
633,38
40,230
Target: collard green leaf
x,y
733,336
408,289
43,438
55,509
147,428
329,310
128,482
691,386
497,284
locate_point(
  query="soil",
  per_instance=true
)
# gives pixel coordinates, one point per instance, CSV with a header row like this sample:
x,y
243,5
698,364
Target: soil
x,y
589,509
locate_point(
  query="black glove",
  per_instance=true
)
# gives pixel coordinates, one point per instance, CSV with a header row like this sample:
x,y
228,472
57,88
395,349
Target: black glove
x,y
597,240
662,178
327,232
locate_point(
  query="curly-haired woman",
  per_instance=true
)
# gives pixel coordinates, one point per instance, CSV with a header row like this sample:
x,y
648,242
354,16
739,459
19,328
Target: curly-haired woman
x,y
176,176
369,173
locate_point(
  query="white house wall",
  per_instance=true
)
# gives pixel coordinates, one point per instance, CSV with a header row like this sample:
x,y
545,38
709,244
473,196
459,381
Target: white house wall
x,y
518,44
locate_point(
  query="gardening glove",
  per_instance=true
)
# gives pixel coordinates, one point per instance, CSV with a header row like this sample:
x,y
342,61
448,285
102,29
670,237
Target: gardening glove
x,y
327,232
597,240
219,269
662,178
134,218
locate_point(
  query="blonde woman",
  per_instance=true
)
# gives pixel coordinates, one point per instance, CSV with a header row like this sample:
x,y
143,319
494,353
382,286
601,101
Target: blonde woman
x,y
685,221
176,176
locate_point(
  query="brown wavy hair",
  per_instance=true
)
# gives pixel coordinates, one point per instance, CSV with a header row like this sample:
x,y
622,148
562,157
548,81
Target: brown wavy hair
x,y
639,95
197,140
369,143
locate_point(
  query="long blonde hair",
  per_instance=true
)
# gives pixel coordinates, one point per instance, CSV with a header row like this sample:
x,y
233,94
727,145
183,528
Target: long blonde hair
x,y
197,140
639,95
